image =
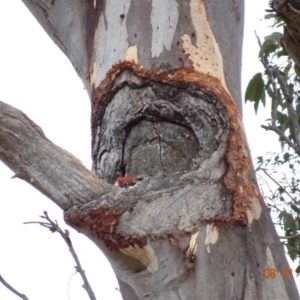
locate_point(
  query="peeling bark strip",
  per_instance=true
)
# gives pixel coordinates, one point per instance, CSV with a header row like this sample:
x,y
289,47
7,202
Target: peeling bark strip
x,y
109,143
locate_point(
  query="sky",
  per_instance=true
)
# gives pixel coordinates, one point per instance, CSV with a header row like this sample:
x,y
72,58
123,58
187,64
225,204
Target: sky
x,y
38,79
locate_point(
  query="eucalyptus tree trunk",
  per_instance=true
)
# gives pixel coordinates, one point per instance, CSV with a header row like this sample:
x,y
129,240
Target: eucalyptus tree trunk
x,y
164,83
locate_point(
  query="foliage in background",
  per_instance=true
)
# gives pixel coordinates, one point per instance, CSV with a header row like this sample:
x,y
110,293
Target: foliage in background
x,y
278,173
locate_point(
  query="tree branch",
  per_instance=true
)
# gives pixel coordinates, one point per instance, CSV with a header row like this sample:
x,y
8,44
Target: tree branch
x,y
291,111
270,74
273,74
71,25
53,171
53,227
277,183
296,236
8,286
282,137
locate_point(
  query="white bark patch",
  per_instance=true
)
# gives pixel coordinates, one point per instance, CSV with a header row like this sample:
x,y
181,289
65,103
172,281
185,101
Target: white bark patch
x,y
164,18
212,235
109,49
145,255
93,75
205,56
273,288
193,245
254,211
131,54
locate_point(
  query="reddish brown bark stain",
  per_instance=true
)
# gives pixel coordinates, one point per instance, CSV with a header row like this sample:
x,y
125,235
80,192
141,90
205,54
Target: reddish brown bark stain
x,y
239,178
102,223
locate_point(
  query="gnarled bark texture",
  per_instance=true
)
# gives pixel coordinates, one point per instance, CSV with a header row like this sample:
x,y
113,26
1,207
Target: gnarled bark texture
x,y
289,11
164,82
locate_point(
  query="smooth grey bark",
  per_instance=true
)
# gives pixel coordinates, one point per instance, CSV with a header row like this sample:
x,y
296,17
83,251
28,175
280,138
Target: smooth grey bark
x,y
164,82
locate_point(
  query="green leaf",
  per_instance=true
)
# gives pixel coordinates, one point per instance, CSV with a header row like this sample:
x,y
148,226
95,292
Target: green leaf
x,y
281,53
275,36
256,106
290,88
280,100
297,70
282,214
268,47
287,69
286,156
270,91
269,16
283,120
255,90
280,190
292,244
260,159
297,269
279,23
289,224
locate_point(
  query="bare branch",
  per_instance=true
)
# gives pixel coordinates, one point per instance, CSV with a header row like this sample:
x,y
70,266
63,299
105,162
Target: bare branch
x,y
273,74
54,227
277,183
275,91
290,237
274,206
291,111
8,286
53,171
282,137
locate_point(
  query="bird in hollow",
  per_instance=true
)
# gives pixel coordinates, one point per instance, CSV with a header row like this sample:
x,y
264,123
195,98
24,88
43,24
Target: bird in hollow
x,y
125,182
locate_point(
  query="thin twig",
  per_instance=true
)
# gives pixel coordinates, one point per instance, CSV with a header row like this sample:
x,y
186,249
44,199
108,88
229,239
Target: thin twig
x,y
274,73
290,237
8,286
282,137
265,182
270,73
53,227
274,206
69,285
278,184
291,111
